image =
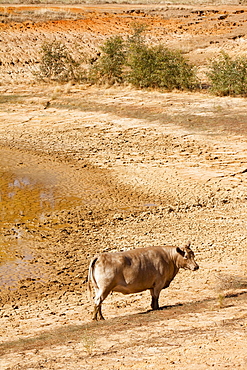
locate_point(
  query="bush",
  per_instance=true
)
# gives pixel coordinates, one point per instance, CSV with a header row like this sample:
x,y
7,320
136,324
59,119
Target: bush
x,y
109,67
228,76
143,66
57,64
159,67
120,61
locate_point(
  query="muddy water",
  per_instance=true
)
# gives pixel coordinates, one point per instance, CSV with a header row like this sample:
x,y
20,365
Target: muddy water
x,y
23,199
30,188
27,192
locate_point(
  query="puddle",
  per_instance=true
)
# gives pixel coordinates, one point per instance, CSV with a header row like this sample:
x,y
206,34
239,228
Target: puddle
x,y
25,198
18,263
30,189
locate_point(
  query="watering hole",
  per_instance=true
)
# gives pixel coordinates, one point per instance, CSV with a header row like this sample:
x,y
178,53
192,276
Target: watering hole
x,y
31,188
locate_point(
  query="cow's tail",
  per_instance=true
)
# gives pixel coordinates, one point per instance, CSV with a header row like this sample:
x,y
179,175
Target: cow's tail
x,y
91,277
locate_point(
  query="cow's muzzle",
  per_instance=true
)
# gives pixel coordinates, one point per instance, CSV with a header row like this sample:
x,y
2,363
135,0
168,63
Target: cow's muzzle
x,y
196,268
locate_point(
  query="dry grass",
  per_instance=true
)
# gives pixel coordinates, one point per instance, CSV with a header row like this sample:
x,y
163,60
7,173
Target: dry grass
x,y
89,342
39,15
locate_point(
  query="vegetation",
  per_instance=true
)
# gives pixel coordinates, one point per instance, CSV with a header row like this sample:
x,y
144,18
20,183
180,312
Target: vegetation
x,y
133,61
228,76
143,66
57,64
159,67
69,2
109,67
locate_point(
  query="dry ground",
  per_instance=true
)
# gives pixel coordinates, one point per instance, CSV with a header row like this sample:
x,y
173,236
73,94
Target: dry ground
x,y
109,168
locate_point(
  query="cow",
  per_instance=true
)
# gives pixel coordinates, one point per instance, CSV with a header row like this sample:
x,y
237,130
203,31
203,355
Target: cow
x,y
136,270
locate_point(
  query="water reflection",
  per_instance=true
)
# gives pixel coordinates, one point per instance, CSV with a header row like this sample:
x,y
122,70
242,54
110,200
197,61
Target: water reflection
x,y
47,199
22,199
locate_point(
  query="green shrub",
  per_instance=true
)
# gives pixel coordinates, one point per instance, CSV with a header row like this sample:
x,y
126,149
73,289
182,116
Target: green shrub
x,y
120,61
109,67
141,65
57,64
159,67
228,76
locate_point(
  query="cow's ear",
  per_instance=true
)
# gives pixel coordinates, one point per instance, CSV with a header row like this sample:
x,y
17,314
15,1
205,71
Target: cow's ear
x,y
187,245
182,253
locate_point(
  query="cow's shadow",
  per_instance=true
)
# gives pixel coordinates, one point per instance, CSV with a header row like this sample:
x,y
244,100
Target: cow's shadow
x,y
196,306
162,308
170,306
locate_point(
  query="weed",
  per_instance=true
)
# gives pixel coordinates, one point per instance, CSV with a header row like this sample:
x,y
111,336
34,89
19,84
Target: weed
x,y
57,64
67,87
228,76
159,67
221,299
109,67
89,342
230,282
135,62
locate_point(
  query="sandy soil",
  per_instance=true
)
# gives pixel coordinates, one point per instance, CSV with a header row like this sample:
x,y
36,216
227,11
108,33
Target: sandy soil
x,y
115,168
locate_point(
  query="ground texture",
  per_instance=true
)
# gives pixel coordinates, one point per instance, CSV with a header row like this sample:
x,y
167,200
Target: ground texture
x,y
87,169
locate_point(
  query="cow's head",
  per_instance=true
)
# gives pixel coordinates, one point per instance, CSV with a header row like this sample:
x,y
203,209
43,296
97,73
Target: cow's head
x,y
186,258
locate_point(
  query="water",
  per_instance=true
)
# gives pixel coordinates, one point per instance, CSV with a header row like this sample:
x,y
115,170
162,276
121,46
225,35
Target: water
x,y
29,189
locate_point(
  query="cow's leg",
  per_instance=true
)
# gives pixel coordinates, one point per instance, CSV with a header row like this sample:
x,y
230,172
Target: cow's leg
x,y
155,303
101,317
100,297
155,298
97,312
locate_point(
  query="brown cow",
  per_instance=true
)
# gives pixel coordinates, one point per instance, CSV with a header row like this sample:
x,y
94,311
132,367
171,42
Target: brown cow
x,y
135,270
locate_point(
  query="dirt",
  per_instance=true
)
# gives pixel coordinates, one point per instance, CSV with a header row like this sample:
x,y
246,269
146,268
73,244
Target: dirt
x,y
87,169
